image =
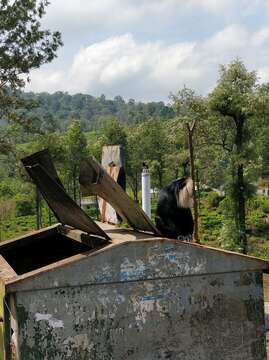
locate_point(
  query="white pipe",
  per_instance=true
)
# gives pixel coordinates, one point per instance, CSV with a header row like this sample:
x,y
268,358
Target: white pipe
x,y
146,201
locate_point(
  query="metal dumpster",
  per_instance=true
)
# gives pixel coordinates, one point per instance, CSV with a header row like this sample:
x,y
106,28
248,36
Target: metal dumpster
x,y
134,299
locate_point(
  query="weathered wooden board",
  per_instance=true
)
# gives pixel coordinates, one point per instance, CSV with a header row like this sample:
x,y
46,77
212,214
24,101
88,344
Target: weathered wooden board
x,y
113,162
43,158
107,212
95,181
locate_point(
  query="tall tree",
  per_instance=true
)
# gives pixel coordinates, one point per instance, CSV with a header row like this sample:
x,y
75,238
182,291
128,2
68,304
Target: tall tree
x,y
24,45
232,101
75,150
147,143
113,132
190,109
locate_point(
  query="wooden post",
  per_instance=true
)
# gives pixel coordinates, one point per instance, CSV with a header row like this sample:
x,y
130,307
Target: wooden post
x,y
113,161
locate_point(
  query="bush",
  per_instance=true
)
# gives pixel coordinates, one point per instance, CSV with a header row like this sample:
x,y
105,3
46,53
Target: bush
x,y
255,217
24,207
213,199
265,205
229,236
259,202
6,190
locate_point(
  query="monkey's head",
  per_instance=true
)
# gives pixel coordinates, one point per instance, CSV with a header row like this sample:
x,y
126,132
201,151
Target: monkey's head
x,y
184,192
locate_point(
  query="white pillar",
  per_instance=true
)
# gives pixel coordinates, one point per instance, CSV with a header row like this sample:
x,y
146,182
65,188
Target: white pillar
x,y
146,205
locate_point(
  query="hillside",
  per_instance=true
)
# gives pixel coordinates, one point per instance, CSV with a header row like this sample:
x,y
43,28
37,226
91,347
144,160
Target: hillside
x,y
60,108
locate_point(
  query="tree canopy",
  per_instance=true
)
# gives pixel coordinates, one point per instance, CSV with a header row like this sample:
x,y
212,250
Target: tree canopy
x,y
24,44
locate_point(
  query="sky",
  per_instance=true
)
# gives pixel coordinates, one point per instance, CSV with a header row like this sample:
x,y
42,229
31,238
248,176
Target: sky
x,y
147,49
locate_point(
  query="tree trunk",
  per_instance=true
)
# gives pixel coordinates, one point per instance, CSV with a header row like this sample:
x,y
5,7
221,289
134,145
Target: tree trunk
x,y
198,189
192,168
242,238
240,207
133,182
74,175
160,178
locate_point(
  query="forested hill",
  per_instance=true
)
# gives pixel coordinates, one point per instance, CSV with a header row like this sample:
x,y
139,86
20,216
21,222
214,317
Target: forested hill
x,y
59,108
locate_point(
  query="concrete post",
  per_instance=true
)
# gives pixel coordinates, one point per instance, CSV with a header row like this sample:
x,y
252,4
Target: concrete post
x,y
146,196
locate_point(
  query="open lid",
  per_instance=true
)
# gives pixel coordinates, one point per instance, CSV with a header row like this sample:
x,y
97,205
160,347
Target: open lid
x,y
42,171
94,180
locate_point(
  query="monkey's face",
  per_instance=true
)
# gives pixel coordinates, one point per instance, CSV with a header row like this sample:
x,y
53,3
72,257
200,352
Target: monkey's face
x,y
184,193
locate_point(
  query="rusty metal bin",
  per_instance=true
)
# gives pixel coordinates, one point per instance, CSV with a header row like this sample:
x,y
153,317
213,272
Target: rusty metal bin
x,y
137,299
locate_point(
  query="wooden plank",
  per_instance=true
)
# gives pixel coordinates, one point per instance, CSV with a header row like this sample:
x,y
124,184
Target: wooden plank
x,y
6,271
107,212
95,181
113,162
62,205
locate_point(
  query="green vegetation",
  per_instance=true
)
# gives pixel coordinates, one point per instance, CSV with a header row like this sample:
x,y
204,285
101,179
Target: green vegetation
x,y
220,140
60,108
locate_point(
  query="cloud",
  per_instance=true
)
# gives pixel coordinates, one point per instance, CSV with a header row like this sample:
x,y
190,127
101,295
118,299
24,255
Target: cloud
x,y
214,6
121,64
118,12
230,38
150,70
260,37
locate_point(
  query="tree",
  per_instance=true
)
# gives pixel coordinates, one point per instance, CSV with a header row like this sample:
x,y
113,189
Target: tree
x,y
7,209
75,144
113,132
24,46
232,101
190,109
147,143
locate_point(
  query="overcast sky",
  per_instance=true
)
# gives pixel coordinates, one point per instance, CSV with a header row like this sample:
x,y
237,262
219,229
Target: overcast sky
x,y
145,49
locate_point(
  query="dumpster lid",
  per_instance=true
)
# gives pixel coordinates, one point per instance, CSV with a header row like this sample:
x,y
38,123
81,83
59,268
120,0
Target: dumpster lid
x,y
94,180
41,169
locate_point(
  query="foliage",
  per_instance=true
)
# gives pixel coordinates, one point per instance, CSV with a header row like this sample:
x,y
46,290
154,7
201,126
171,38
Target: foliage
x,y
75,145
24,45
62,108
148,144
7,209
153,134
191,109
113,132
213,199
24,207
232,102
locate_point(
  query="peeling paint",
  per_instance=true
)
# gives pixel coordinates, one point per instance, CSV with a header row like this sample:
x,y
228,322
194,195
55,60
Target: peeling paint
x,y
130,270
141,303
54,323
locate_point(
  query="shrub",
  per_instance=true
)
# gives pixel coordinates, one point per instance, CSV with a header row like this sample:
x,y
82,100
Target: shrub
x,y
24,207
265,205
213,199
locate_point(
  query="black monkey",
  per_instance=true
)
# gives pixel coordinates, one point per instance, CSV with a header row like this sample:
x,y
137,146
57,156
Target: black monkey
x,y
173,217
